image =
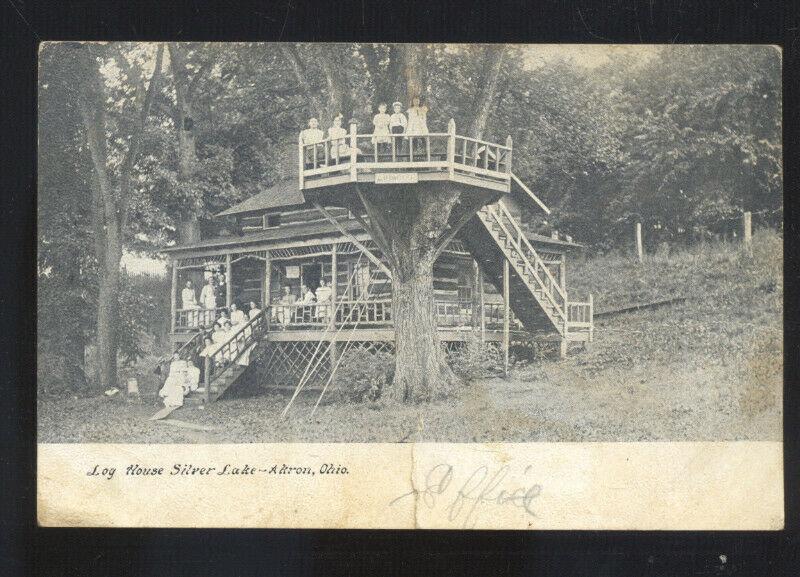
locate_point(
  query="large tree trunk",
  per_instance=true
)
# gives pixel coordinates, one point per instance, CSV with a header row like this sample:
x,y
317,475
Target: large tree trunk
x,y
421,369
107,319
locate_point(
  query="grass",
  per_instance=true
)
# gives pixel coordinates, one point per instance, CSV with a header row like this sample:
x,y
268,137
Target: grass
x,y
709,368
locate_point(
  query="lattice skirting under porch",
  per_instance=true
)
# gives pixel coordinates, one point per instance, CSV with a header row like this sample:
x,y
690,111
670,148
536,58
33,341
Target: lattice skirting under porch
x,y
283,364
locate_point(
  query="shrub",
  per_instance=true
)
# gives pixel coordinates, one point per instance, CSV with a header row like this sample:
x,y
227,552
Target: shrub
x,y
475,360
363,375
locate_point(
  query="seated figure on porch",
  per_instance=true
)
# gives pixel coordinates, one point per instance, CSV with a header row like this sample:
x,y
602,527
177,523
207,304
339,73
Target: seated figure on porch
x,y
189,302
307,298
172,391
237,316
254,310
323,299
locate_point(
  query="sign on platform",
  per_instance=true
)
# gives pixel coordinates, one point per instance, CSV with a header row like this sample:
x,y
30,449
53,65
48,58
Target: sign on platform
x,y
396,178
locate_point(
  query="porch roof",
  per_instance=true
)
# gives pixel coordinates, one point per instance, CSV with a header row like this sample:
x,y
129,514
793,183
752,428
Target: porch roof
x,y
280,234
283,193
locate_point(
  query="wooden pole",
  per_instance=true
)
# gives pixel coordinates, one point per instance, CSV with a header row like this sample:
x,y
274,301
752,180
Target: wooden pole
x,y
207,377
174,296
228,282
506,315
747,229
562,272
334,353
639,248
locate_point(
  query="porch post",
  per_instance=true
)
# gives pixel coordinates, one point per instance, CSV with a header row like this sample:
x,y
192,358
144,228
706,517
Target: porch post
x,y
562,272
506,315
229,282
482,312
265,302
174,295
334,352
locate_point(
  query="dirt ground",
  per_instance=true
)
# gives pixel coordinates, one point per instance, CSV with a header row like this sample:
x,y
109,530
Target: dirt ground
x,y
709,368
583,398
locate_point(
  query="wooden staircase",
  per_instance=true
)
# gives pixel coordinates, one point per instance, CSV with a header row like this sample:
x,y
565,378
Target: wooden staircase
x,y
536,297
227,363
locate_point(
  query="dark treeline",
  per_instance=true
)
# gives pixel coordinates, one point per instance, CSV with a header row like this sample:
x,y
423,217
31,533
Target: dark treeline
x,y
140,141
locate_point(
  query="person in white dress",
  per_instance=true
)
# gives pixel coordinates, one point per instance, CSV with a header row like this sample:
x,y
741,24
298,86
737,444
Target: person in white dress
x,y
340,151
208,300
323,300
380,122
307,298
311,135
192,381
189,303
254,310
172,391
417,123
238,317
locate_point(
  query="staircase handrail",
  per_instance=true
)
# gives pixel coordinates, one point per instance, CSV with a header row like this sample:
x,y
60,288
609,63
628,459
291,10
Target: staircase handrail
x,y
256,326
529,246
560,308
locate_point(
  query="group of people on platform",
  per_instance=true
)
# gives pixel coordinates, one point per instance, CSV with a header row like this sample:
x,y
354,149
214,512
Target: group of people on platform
x,y
211,295
311,307
397,126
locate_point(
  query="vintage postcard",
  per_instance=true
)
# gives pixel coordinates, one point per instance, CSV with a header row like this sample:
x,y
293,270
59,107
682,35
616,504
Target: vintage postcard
x,y
410,286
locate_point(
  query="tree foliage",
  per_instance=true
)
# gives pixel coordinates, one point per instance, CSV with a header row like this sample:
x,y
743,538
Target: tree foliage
x,y
679,138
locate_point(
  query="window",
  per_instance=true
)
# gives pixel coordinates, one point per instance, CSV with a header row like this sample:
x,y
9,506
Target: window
x,y
273,220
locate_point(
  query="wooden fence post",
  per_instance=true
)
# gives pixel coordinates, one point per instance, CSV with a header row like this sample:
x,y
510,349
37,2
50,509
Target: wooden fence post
x,y
639,248
747,230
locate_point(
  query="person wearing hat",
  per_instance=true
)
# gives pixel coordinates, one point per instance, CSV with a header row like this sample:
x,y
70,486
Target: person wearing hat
x,y
338,138
311,135
397,122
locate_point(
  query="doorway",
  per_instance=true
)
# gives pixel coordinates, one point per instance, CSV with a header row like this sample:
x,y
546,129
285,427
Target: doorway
x,y
310,275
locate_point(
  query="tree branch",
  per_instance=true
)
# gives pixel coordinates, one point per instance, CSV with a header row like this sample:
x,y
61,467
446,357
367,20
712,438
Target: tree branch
x,y
485,98
301,73
377,227
126,170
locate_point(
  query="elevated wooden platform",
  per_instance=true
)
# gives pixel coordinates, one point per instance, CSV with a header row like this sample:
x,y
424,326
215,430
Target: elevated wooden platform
x,y
405,159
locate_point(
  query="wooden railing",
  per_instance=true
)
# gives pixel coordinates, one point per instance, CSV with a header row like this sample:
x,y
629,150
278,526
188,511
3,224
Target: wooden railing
x,y
438,151
581,314
532,262
195,319
222,356
317,315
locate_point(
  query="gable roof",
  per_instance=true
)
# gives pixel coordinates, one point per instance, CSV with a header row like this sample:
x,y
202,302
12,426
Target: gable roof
x,y
283,193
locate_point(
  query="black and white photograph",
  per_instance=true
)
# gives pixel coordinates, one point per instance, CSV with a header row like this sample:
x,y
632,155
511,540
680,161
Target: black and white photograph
x,y
404,243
